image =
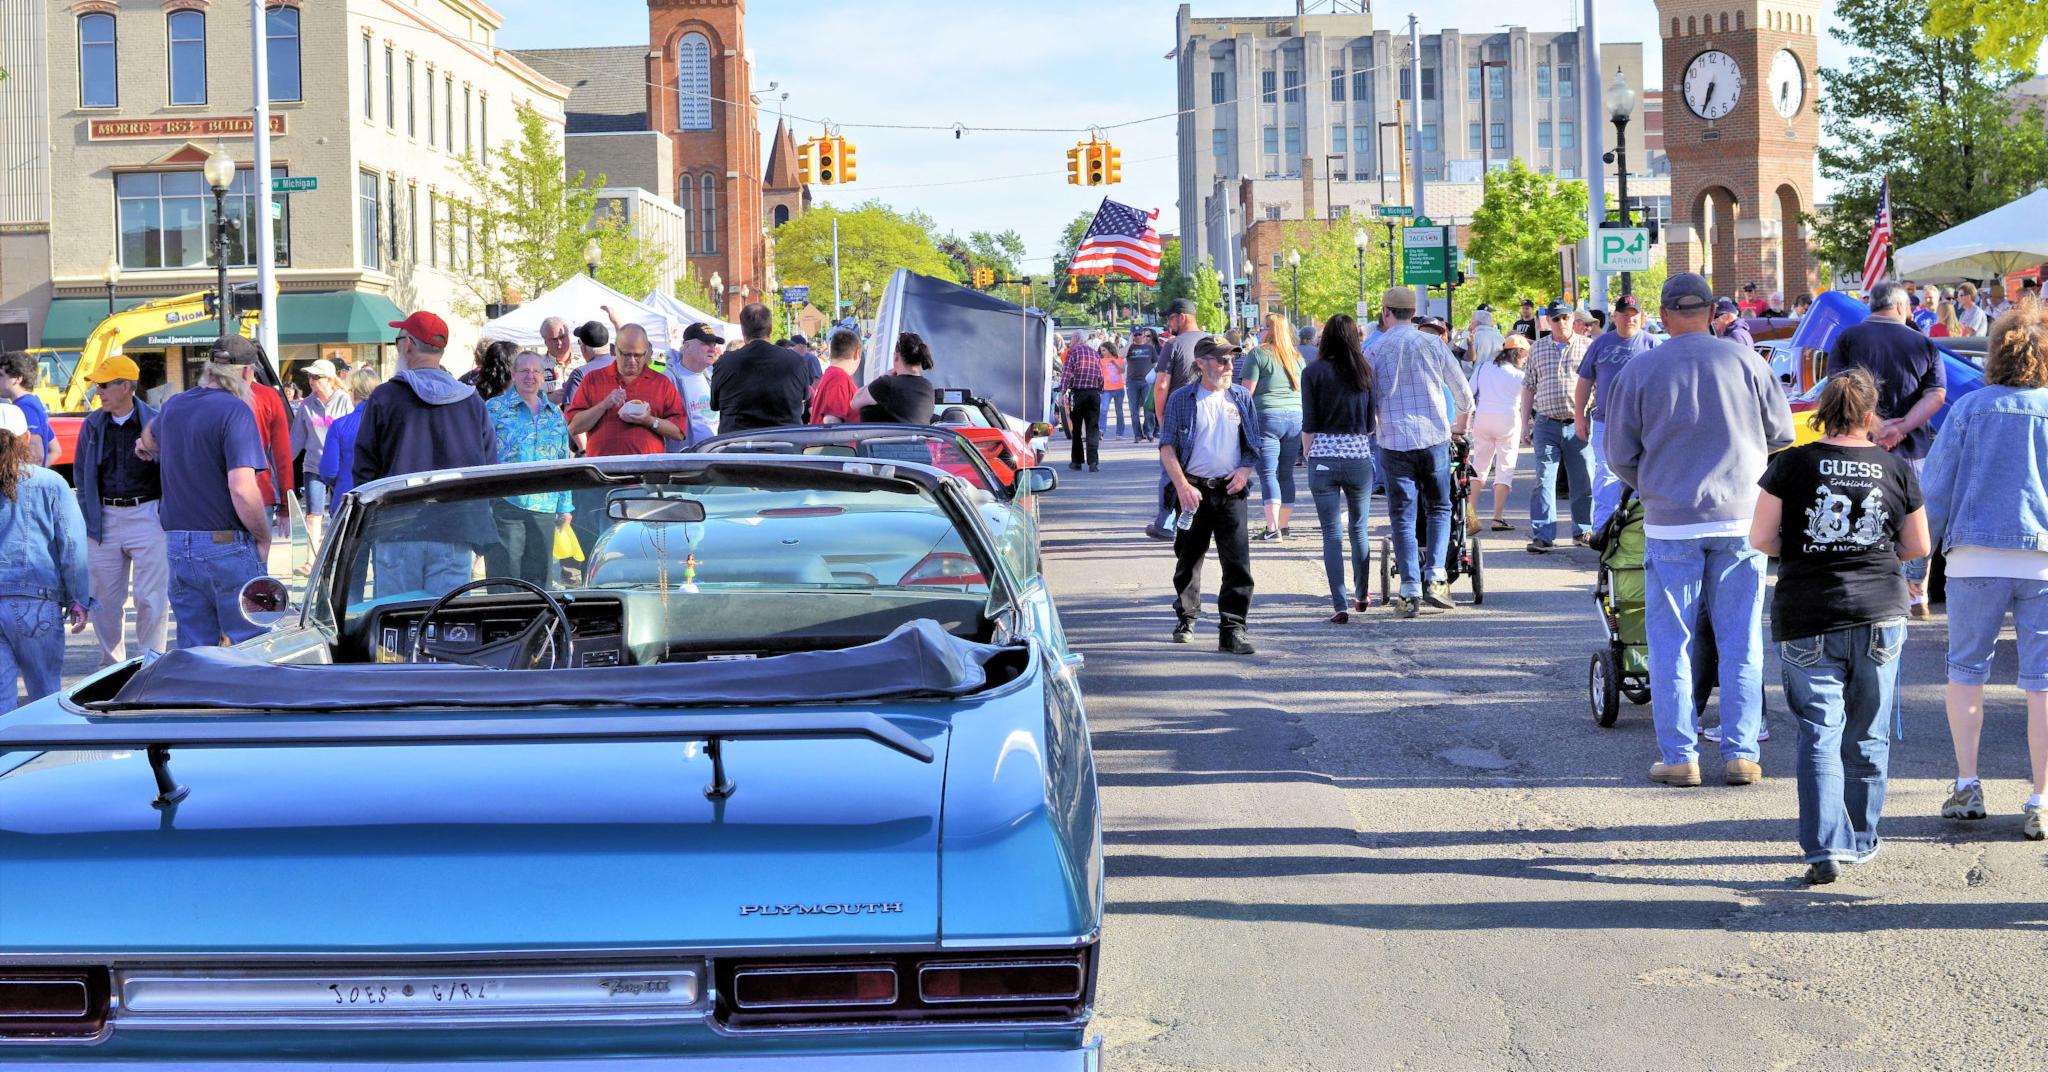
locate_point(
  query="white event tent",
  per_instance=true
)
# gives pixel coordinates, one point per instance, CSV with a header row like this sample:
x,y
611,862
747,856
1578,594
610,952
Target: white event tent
x,y
2006,239
577,299
685,314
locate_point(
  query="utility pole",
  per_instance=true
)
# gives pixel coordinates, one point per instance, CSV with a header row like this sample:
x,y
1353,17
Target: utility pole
x,y
1415,77
259,183
835,262
1230,257
1589,146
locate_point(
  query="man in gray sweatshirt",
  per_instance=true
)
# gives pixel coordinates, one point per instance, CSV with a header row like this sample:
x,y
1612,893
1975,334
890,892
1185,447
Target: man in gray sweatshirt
x,y
1689,427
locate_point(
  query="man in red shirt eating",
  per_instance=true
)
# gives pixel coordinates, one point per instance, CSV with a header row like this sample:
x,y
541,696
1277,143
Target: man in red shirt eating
x,y
621,408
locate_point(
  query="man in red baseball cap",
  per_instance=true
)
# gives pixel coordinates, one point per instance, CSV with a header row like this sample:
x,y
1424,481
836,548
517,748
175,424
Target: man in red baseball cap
x,y
423,419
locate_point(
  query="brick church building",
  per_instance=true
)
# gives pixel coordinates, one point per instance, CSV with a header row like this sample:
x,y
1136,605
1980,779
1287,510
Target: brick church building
x,y
677,117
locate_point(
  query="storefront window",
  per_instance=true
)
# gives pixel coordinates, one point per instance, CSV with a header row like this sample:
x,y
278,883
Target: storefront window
x,y
167,220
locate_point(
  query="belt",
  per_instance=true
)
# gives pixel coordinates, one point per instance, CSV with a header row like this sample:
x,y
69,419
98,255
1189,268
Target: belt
x,y
1209,481
1566,419
134,501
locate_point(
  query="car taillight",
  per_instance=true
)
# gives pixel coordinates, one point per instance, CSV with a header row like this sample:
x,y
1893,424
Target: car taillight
x,y
1001,980
1029,986
52,1004
945,568
814,987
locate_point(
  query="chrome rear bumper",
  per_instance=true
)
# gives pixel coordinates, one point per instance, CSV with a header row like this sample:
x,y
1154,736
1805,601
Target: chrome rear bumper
x,y
1087,1058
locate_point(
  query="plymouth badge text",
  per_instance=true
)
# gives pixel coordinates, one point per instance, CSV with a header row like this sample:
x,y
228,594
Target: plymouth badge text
x,y
865,908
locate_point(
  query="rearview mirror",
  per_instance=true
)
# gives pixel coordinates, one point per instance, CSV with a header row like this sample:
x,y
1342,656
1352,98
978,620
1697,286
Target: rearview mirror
x,y
265,602
1040,430
653,508
1039,479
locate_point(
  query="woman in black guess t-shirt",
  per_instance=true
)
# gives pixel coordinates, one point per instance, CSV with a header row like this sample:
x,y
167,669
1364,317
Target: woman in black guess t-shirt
x,y
1840,515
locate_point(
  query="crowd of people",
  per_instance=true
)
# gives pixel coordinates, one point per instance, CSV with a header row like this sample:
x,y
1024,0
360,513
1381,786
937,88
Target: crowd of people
x,y
1699,430
173,508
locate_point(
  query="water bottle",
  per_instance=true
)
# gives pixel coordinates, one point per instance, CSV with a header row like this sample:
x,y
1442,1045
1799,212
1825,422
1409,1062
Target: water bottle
x,y
1184,520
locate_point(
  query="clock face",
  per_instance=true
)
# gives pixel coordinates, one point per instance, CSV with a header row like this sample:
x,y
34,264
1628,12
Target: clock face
x,y
1713,83
1788,83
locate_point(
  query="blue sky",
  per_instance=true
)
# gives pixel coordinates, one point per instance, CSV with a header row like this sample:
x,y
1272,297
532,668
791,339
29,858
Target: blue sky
x,y
1038,63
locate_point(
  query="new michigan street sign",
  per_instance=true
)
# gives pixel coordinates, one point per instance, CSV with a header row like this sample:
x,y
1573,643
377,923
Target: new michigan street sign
x,y
294,184
1397,210
1621,249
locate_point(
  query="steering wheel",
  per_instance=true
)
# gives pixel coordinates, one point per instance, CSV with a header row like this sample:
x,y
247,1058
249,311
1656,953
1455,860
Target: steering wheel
x,y
520,651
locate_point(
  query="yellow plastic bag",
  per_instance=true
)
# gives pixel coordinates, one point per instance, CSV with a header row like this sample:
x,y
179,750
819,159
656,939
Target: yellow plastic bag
x,y
567,546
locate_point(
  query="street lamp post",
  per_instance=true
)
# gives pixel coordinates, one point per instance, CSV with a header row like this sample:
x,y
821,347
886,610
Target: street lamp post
x,y
1294,262
220,174
1621,103
1360,240
1248,268
110,276
866,289
593,254
718,302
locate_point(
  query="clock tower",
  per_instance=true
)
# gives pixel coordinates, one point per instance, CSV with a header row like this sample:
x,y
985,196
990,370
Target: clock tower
x,y
1741,128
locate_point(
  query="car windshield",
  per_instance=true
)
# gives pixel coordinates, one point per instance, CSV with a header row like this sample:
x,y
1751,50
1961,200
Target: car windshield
x,y
693,532
964,414
54,369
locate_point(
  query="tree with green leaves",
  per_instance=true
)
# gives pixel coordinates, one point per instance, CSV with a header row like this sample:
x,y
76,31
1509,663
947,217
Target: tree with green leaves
x,y
1206,291
1523,218
1330,271
2003,34
530,221
874,241
696,293
1927,111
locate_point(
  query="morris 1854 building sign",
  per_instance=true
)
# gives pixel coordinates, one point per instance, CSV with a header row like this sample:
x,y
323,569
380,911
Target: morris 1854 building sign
x,y
209,126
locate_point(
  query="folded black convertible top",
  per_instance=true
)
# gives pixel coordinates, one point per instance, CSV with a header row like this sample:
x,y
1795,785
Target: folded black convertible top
x,y
918,659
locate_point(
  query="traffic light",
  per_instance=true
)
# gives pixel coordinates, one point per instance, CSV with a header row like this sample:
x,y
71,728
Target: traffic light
x,y
1098,159
1113,163
984,278
807,163
826,157
845,159
1073,284
1074,166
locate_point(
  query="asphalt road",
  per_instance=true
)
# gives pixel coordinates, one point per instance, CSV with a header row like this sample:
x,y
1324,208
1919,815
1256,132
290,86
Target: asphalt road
x,y
1405,845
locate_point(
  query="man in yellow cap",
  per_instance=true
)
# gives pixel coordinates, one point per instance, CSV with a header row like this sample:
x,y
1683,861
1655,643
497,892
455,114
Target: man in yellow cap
x,y
118,491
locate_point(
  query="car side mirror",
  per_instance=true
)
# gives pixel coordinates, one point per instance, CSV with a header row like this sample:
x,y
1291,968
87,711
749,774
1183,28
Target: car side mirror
x,y
1040,479
265,601
1040,430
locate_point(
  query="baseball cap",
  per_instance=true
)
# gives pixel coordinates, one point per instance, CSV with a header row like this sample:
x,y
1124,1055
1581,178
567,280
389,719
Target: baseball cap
x,y
322,368
702,333
1555,310
1586,316
1215,346
1725,305
1687,292
1514,340
1627,303
594,335
1180,307
425,327
114,368
233,350
799,340
1398,298
12,419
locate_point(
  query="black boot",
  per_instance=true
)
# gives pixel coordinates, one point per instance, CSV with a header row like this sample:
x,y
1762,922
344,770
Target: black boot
x,y
1233,641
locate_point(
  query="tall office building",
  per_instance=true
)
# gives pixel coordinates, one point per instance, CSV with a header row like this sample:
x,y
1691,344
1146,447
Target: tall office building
x,y
1314,95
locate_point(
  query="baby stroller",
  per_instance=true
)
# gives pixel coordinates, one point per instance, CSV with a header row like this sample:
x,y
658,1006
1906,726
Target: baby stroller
x,y
1463,556
1622,668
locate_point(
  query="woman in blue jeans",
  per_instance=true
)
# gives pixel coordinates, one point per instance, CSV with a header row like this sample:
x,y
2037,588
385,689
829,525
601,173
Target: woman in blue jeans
x,y
43,576
1336,396
1272,373
1839,515
1987,503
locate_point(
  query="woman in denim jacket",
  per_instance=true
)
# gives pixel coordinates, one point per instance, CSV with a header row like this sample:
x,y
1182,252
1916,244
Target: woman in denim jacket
x,y
1987,504
43,576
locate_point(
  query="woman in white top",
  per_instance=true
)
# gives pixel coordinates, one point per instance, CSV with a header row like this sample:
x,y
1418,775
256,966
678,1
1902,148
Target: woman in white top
x,y
1497,423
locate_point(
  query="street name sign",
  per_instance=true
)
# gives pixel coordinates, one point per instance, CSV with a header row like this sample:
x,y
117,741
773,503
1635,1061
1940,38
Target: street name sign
x,y
1397,210
1621,249
294,184
795,295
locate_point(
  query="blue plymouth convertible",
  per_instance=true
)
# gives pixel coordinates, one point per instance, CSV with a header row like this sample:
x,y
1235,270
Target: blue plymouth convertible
x,y
797,775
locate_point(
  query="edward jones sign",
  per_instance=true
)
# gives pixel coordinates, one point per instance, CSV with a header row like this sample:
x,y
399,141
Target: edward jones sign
x,y
207,126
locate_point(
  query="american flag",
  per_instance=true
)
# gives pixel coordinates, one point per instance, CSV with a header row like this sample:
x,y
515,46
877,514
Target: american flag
x,y
1119,241
1880,238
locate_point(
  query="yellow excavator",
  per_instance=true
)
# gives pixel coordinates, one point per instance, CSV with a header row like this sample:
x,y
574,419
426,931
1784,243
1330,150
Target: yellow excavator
x,y
65,385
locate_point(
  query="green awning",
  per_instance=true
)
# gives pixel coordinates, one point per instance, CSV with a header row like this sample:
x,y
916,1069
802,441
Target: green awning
x,y
334,316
